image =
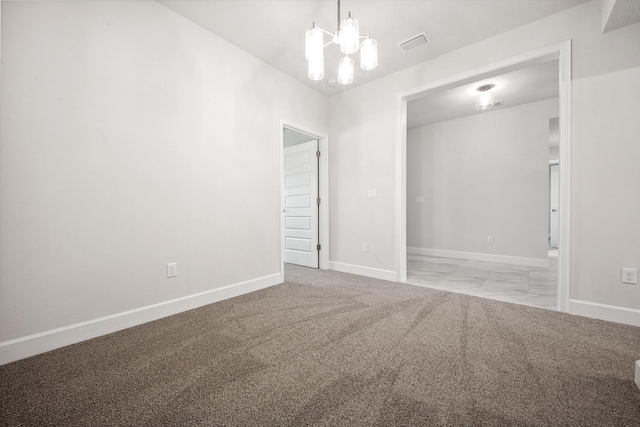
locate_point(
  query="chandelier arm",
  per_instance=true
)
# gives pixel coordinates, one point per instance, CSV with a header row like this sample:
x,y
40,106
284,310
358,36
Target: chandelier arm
x,y
324,30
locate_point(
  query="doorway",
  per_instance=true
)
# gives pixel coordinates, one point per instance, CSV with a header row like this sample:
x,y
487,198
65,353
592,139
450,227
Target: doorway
x,y
304,198
561,53
301,201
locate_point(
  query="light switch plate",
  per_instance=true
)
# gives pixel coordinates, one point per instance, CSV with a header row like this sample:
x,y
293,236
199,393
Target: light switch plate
x,y
419,199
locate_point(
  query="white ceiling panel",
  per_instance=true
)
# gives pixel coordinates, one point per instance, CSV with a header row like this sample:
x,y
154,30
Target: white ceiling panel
x,y
273,30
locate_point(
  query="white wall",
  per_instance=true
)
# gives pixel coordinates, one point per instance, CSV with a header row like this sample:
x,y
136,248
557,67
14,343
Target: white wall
x,y
482,175
291,137
132,138
605,177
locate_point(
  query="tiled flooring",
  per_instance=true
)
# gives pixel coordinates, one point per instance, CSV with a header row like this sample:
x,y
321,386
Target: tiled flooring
x,y
504,282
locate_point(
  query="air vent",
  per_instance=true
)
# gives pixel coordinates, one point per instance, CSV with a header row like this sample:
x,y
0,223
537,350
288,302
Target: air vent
x,y
414,42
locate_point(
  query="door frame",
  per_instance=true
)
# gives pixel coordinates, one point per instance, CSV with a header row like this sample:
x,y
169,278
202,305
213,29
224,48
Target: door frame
x,y
323,191
563,52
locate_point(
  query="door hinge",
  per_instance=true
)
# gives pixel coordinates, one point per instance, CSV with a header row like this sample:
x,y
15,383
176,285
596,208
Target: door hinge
x,y
318,200
318,247
318,153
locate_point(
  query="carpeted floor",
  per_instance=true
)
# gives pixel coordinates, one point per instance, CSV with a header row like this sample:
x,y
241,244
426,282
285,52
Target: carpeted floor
x,y
327,348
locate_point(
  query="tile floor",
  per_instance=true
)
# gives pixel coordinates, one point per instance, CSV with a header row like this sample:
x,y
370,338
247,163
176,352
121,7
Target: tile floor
x,y
504,282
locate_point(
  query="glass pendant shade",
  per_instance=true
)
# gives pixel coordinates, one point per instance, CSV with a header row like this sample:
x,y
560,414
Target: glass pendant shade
x,y
484,101
345,71
369,54
314,44
349,35
316,68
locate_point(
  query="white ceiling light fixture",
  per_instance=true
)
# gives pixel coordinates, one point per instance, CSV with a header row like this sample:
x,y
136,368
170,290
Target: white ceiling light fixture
x,y
485,99
348,37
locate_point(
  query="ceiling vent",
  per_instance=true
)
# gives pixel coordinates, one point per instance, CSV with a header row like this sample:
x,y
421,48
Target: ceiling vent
x,y
413,42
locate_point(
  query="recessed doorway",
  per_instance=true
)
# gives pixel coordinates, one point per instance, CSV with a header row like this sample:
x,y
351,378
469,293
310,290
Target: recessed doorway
x,y
459,240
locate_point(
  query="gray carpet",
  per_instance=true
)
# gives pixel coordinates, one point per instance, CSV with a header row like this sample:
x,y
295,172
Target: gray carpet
x,y
327,348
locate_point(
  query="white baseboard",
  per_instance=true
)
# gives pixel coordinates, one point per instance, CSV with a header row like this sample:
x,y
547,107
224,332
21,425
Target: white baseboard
x,y
31,345
376,273
476,256
611,313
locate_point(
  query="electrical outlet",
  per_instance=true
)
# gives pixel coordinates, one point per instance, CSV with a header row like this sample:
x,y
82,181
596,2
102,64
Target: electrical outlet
x,y
172,269
365,247
372,193
490,239
630,276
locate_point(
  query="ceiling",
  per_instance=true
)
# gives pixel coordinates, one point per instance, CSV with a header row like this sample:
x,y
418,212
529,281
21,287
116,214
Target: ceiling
x,y
273,30
533,82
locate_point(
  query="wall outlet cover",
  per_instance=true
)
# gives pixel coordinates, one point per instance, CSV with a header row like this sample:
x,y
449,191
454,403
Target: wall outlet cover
x,y
172,269
630,276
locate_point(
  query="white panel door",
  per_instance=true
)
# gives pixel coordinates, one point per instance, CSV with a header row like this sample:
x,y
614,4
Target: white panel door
x,y
554,205
300,204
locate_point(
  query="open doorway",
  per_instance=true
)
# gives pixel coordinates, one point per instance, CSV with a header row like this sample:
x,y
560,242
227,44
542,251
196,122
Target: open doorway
x,y
464,224
301,200
304,198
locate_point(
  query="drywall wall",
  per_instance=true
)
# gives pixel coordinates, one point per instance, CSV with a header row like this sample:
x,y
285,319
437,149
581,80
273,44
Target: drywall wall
x,y
479,176
132,138
291,137
605,178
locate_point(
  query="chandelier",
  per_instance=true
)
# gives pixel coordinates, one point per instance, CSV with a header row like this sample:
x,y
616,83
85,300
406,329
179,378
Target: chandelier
x,y
348,37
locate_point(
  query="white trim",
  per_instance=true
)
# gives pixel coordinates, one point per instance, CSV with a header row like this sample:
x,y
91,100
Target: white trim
x,y
401,189
323,191
31,345
564,247
563,50
611,313
477,256
376,273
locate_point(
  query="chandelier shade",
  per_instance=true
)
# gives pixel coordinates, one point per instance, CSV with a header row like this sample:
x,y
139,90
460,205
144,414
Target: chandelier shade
x,y
316,68
369,54
314,44
348,37
345,71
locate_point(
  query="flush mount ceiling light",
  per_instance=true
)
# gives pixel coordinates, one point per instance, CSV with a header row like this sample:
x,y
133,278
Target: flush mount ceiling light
x,y
485,98
348,37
